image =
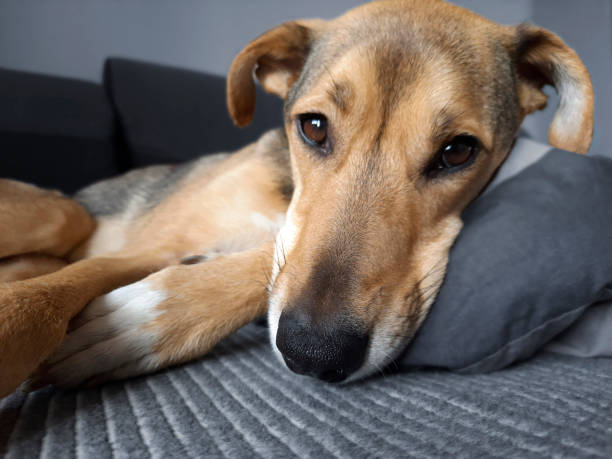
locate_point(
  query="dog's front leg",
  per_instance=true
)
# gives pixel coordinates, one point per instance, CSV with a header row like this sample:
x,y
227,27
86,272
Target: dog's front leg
x,y
35,313
172,316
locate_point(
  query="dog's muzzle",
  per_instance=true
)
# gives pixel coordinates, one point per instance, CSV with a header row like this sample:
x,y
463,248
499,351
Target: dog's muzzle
x,y
330,349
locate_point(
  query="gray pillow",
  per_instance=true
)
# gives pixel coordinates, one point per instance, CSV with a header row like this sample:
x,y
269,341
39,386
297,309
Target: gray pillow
x,y
534,254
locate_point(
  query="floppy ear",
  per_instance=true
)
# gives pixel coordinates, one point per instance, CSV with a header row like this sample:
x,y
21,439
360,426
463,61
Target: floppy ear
x,y
277,57
543,58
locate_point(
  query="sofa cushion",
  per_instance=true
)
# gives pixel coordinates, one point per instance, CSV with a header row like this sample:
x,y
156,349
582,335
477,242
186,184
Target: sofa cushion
x,y
55,132
169,114
534,254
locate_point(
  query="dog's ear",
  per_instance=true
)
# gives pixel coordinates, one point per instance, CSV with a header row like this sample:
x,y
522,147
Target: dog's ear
x,y
277,57
543,58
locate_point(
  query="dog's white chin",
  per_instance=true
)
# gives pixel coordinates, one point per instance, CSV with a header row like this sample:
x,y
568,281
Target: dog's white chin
x,y
274,312
383,348
285,241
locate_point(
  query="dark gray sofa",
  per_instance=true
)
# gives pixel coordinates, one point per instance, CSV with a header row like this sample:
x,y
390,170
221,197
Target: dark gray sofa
x,y
64,133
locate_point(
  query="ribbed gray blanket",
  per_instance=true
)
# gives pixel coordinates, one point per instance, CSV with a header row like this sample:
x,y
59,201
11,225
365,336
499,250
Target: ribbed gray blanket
x,y
239,402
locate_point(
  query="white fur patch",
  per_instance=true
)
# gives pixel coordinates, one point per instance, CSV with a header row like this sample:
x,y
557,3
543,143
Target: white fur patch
x,y
285,241
274,313
261,229
572,102
264,223
382,349
286,237
109,336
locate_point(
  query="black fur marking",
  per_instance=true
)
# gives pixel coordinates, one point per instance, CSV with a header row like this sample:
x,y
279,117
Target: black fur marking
x,y
193,260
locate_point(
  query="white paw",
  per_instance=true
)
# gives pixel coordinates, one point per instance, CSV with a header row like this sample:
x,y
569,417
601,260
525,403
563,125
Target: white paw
x,y
111,338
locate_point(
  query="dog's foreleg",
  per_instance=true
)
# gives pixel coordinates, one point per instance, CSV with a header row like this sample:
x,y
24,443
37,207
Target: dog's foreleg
x,y
34,313
22,267
170,317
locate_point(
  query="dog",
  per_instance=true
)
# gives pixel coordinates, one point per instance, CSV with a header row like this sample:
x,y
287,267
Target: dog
x,y
396,116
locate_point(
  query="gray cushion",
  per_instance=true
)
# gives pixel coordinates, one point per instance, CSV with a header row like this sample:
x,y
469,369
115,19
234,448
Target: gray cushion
x,y
534,254
590,336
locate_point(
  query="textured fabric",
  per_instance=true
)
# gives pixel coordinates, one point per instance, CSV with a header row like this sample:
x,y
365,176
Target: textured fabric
x,y
239,402
534,254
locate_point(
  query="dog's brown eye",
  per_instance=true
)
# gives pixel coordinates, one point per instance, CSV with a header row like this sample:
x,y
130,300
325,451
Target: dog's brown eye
x,y
458,153
313,129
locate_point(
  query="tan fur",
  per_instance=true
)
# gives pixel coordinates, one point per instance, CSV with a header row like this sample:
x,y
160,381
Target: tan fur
x,y
203,212
446,72
34,313
22,267
193,220
546,59
35,220
233,283
279,55
396,80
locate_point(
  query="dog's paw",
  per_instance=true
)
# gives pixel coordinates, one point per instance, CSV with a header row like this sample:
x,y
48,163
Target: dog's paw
x,y
170,317
115,336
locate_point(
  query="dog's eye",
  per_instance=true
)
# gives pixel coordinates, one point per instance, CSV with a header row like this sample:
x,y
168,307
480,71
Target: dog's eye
x,y
455,155
313,129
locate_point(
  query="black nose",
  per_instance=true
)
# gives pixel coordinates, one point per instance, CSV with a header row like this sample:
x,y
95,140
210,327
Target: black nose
x,y
329,349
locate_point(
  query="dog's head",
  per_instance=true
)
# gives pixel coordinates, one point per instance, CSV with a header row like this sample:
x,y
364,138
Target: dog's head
x,y
398,114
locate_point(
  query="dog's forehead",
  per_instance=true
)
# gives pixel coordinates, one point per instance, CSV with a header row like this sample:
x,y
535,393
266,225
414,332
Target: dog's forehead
x,y
403,47
400,34
428,28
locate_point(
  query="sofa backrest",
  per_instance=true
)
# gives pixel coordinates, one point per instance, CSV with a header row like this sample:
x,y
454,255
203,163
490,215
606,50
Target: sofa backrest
x,y
55,132
168,114
65,134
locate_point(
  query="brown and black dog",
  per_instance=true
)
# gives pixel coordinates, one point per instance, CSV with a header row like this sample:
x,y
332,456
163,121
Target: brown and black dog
x,y
397,114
